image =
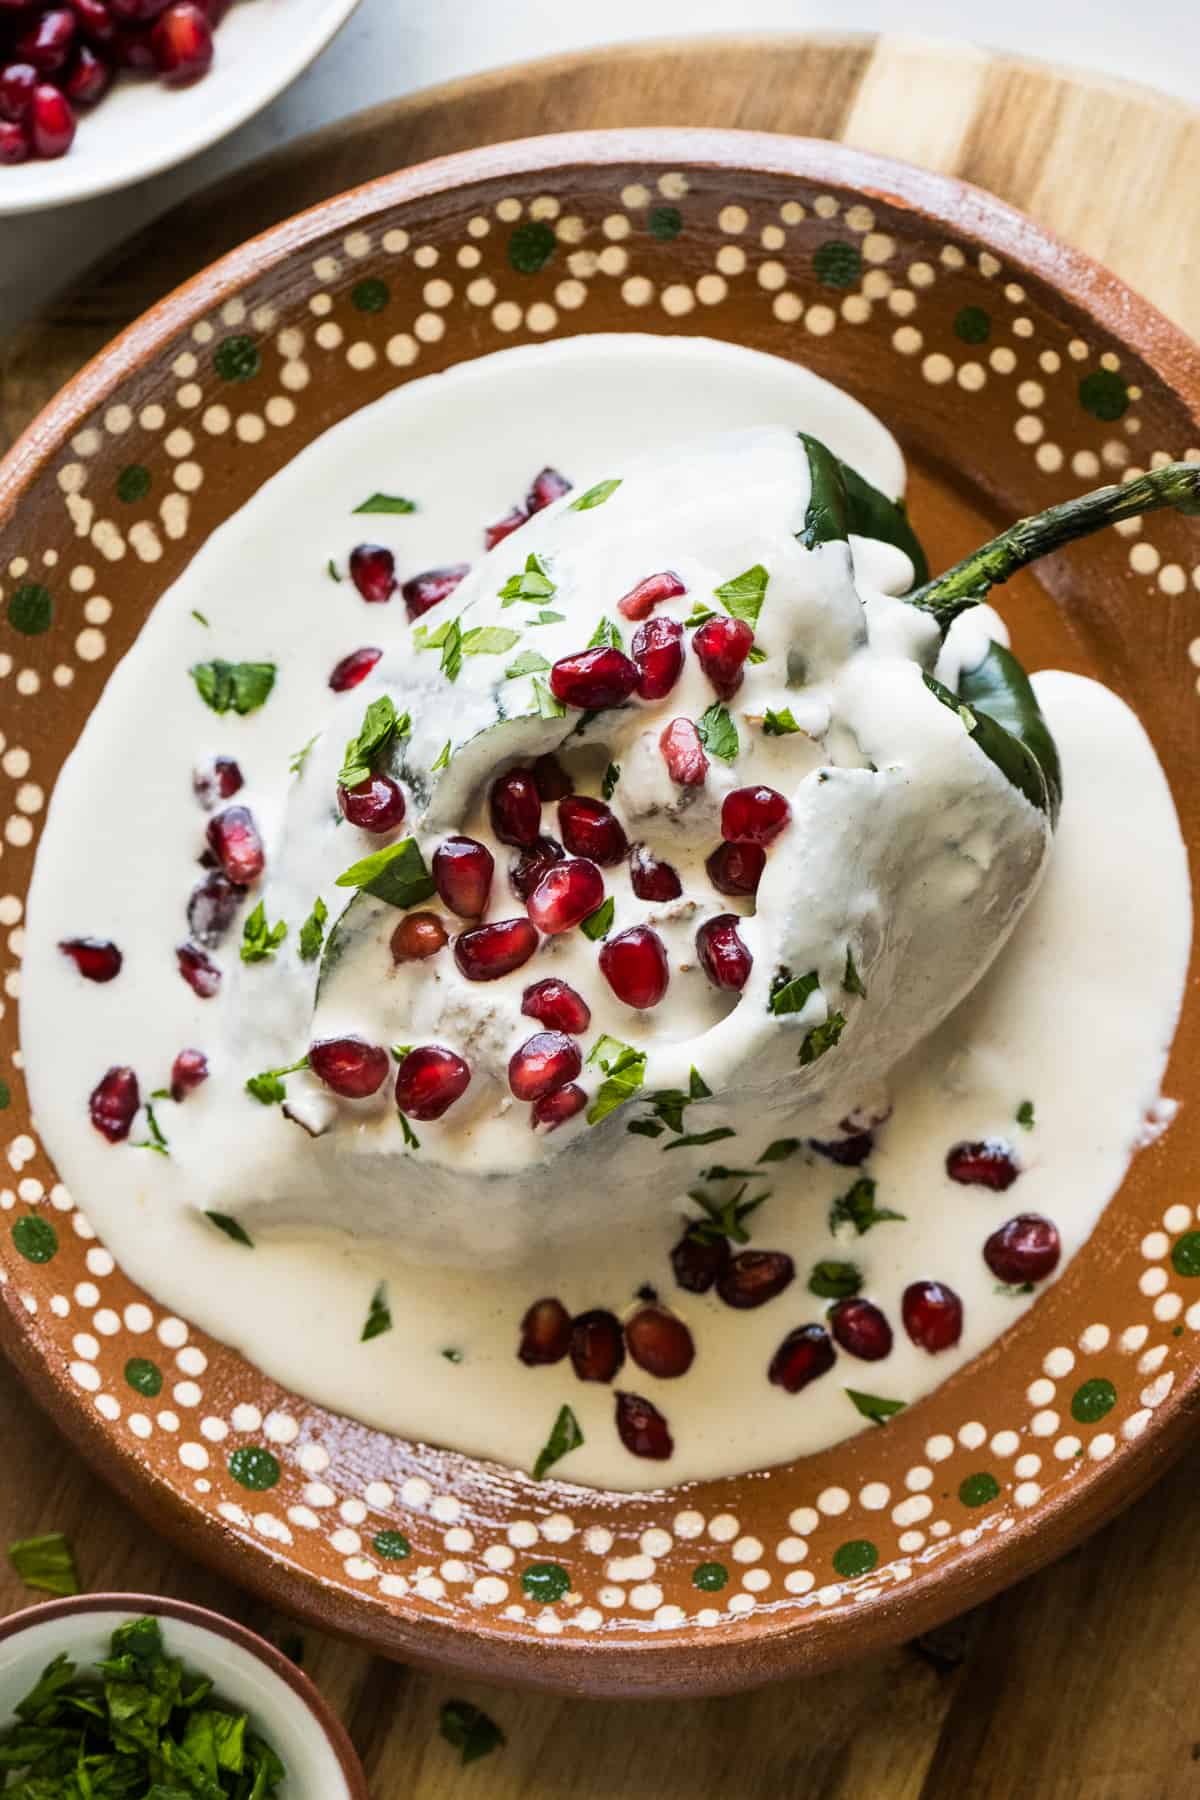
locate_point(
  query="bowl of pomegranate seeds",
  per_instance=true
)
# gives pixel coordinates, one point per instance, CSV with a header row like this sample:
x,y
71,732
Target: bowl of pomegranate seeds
x,y
606,1032
95,94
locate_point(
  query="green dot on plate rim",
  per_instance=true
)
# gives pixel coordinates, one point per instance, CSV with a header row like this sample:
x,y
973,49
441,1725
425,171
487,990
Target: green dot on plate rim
x,y
546,1581
710,1577
254,1468
1185,1256
144,1376
133,483
837,264
858,1556
979,1489
1092,1400
35,1239
1103,394
30,609
370,295
664,223
236,358
531,246
972,325
391,1545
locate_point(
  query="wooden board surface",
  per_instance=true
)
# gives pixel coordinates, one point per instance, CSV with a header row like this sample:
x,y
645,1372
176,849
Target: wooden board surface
x,y
1077,1685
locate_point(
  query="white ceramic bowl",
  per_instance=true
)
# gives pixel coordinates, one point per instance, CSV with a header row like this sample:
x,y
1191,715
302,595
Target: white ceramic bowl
x,y
283,1704
142,126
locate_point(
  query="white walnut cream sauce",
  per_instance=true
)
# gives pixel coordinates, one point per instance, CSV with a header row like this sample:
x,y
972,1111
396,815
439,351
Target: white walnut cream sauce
x,y
903,863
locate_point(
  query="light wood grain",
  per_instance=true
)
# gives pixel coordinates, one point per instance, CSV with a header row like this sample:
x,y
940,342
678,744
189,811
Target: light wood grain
x,y
1078,1685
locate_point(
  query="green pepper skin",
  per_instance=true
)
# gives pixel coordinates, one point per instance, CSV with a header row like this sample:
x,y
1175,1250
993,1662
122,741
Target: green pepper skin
x,y
1011,755
1001,689
842,501
827,519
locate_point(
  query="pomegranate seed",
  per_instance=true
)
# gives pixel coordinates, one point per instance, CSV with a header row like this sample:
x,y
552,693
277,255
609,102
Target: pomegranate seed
x,y
198,969
373,572
17,82
544,1062
212,906
431,587
641,600
755,1276
95,20
567,893
375,805
697,1264
89,77
353,668
527,870
658,651
556,1006
1027,1248
803,1355
188,1072
113,1102
861,1328
462,874
592,679
233,838
496,534
545,1333
650,878
418,935
634,963
15,143
98,959
989,1164
352,1068
429,1081
486,952
683,753
218,779
932,1314
547,486
753,815
137,12
590,828
597,1346
556,1108
516,808
642,1428
723,956
51,122
736,868
48,40
182,42
722,646
660,1343
847,1152
134,50
551,779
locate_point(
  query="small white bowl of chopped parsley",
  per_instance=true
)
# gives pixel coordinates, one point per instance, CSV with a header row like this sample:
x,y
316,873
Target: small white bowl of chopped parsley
x,y
130,1697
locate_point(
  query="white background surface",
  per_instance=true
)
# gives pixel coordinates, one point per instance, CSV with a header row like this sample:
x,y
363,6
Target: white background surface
x,y
395,46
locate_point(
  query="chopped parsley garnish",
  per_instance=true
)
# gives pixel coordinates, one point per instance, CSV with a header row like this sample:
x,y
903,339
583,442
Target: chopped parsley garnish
x,y
231,1228
756,655
547,618
312,932
723,1218
447,638
780,1150
699,615
548,704
156,1140
268,1087
260,940
379,1315
1013,1289
140,1724
200,618
718,733
565,1436
533,583
645,1128
46,1563
599,923
857,1207
822,1038
469,1730
791,993
443,759
296,765
396,874
411,1139
624,1068
595,496
872,1407
669,1103
1025,1115
701,1137
835,1280
386,503
233,687
608,786
606,635
331,570
382,726
742,597
779,724
489,640
530,662
453,1356
852,981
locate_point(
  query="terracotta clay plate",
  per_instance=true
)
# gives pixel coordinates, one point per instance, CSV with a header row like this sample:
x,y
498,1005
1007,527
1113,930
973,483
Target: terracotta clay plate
x,y
1015,373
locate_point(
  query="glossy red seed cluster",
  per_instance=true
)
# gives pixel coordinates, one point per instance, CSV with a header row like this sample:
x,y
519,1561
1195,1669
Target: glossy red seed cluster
x,y
683,753
634,963
547,486
721,646
429,1081
373,572
352,1068
418,935
462,874
113,1102
641,600
568,893
989,1164
723,954
97,959
188,1072
544,1063
431,587
527,869
590,828
353,668
375,805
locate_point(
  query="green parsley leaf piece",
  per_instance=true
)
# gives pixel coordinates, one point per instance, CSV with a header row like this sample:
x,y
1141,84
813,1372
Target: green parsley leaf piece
x,y
443,759
835,1280
644,1128
199,617
489,640
822,1038
669,1105
469,1730
872,1407
231,1228
624,1077
411,1139
453,1356
296,765
723,1218
701,1137
548,704
599,923
260,940
857,1207
533,583
852,981
331,570
742,597
606,635
48,1564
722,1172
312,932
431,637
779,724
268,1087
385,503
791,993
699,615
381,727
565,1436
595,496
1013,1289
451,663
1025,1115
396,874
755,655
233,687
156,1140
379,1315
530,662
780,1150
718,733
611,777
606,1051
400,1051
547,618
